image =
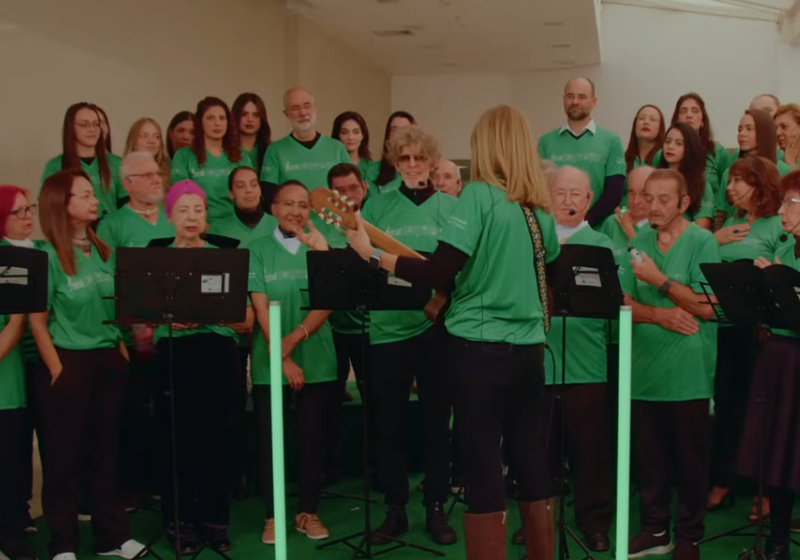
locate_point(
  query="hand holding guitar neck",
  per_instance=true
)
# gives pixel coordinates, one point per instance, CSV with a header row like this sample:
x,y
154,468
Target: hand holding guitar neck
x,y
337,210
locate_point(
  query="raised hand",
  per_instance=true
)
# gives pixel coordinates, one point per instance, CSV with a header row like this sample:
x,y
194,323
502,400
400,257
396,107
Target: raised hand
x,y
732,234
625,221
314,240
359,240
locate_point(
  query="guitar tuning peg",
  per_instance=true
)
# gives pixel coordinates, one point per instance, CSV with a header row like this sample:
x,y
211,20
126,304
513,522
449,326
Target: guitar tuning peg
x,y
321,215
344,198
351,203
330,222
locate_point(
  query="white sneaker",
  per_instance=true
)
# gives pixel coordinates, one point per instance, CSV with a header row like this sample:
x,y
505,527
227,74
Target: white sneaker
x,y
65,556
129,550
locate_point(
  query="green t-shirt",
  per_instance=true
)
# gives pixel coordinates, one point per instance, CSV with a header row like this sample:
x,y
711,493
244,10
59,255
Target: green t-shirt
x,y
419,228
763,240
162,331
706,209
233,227
283,277
389,187
586,338
107,195
668,366
722,204
12,376
496,298
369,172
619,241
78,304
126,228
598,153
212,177
289,160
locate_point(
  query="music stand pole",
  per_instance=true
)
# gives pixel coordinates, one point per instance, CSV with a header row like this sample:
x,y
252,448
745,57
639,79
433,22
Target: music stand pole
x,y
624,432
276,396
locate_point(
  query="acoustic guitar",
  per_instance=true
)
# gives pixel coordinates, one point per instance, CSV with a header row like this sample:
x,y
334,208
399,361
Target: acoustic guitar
x,y
335,209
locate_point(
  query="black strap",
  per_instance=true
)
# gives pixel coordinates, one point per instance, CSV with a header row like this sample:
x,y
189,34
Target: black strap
x,y
539,263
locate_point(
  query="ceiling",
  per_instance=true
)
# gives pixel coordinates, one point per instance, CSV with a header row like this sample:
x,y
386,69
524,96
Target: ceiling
x,y
417,37
767,10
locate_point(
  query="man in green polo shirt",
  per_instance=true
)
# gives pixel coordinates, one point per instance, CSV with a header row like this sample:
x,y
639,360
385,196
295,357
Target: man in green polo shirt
x,y
625,223
585,395
674,358
581,143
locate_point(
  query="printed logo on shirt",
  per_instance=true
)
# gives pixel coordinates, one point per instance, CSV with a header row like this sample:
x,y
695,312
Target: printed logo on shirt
x,y
432,231
210,172
590,157
309,166
88,280
297,274
457,222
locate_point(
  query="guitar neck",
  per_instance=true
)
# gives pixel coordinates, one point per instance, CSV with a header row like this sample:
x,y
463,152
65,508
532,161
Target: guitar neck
x,y
389,244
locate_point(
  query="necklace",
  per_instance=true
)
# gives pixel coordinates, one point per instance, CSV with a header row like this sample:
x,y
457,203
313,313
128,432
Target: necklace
x,y
147,212
82,243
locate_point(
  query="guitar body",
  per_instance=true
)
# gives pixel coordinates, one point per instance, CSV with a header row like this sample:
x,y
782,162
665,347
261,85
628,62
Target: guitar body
x,y
331,206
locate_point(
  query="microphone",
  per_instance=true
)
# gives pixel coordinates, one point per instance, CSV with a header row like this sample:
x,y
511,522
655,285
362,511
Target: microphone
x,y
785,236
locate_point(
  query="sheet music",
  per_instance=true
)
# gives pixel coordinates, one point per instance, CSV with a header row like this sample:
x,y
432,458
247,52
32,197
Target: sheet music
x,y
13,275
587,276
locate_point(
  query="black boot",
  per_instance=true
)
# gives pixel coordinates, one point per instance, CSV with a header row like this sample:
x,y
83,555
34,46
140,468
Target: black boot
x,y
395,524
780,520
436,524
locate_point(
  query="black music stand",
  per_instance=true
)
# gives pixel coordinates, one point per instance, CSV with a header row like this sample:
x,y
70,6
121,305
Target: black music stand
x,y
23,280
751,297
585,285
341,280
163,286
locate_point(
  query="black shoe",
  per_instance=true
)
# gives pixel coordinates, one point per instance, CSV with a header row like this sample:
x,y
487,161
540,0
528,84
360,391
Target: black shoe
x,y
436,524
647,544
216,537
519,537
189,540
17,548
597,542
395,524
686,550
795,526
778,551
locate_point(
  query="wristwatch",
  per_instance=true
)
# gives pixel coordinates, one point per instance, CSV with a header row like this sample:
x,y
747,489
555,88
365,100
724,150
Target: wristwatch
x,y
375,259
664,289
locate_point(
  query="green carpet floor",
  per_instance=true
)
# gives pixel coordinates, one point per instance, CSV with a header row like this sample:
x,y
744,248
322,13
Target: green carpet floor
x,y
344,516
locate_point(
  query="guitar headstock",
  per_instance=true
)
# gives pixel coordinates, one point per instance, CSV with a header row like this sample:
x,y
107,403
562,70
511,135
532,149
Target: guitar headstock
x,y
333,208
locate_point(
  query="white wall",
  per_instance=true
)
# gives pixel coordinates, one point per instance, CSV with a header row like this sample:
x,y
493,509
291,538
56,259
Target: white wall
x,y
649,56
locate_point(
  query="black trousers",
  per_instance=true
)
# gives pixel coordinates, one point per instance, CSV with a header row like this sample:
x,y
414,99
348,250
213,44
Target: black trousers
x,y
672,443
737,349
15,438
396,365
138,395
205,393
315,404
497,390
34,424
80,418
587,449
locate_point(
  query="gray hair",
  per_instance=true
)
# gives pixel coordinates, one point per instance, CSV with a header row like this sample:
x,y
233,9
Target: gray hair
x,y
294,89
549,168
130,160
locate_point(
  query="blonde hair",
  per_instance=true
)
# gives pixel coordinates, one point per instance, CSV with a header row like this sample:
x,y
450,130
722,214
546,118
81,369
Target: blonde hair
x,y
504,155
162,157
413,136
789,109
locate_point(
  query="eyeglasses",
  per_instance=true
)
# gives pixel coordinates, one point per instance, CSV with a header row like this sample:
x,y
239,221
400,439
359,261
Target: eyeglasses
x,y
408,158
23,211
87,124
151,176
789,201
291,204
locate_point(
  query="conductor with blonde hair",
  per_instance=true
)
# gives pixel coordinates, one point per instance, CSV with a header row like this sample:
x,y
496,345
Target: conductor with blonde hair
x,y
496,325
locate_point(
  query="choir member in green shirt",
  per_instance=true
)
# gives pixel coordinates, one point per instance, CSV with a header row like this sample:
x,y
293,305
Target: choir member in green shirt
x,y
214,153
497,326
674,356
753,232
623,226
691,109
195,364
405,345
304,155
351,129
83,149
447,178
684,153
787,120
180,132
136,224
388,179
757,135
255,134
646,139
278,271
766,102
249,221
81,385
774,400
17,360
145,136
585,396
581,143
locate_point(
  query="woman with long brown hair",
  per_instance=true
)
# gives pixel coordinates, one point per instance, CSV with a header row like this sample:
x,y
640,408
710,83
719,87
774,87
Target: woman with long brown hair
x,y
105,128
691,109
646,139
255,134
145,136
83,149
214,153
180,132
757,135
82,382
351,129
